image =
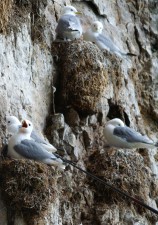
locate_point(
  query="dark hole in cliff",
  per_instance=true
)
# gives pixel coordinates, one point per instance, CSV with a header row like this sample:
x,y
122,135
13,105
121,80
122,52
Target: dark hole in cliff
x,y
27,186
94,8
116,111
126,119
154,45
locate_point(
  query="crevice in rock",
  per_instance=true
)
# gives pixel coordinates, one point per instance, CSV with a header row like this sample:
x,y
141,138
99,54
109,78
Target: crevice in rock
x,y
94,7
136,34
116,111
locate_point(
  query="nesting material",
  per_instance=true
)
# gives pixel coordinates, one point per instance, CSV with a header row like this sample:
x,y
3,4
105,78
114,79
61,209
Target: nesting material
x,y
83,75
5,13
27,186
14,13
125,170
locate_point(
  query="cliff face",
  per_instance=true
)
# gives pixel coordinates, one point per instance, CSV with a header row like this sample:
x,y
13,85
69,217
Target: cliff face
x,y
91,86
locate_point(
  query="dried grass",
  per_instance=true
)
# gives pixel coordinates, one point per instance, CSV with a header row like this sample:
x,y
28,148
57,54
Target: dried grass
x,y
5,13
83,76
125,170
27,186
13,13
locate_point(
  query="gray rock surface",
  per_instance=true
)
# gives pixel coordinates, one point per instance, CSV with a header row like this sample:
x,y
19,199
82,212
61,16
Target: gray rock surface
x,y
28,71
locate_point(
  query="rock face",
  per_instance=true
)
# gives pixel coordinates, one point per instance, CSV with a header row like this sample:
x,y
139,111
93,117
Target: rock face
x,y
95,87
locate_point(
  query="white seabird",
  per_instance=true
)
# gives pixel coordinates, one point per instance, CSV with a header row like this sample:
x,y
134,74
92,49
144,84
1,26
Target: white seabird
x,y
120,136
94,34
21,146
69,26
13,125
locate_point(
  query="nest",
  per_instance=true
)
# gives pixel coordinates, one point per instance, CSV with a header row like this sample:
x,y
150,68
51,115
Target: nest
x,y
124,170
83,75
27,186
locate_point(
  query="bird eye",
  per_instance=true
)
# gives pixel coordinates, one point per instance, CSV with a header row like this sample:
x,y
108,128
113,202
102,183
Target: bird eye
x,y
8,121
29,124
71,9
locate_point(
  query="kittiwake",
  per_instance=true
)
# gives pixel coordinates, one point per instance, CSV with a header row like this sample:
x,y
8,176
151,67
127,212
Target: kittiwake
x,y
121,136
21,146
94,34
69,26
13,125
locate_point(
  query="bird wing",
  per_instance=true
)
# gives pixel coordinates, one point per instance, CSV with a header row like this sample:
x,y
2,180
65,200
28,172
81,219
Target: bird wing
x,y
108,43
130,135
31,150
37,138
49,147
68,22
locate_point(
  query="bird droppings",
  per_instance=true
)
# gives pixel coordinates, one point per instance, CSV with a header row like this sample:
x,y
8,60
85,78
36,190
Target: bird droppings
x,y
27,186
127,171
83,77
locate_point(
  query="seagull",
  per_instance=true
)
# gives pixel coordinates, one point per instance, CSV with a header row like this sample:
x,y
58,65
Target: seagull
x,y
121,136
69,26
21,146
13,125
94,34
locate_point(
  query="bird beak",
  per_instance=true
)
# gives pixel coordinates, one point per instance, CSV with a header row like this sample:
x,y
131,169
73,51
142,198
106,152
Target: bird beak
x,y
24,124
78,13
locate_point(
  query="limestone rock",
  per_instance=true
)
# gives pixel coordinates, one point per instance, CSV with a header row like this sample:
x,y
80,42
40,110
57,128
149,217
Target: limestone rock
x,y
87,81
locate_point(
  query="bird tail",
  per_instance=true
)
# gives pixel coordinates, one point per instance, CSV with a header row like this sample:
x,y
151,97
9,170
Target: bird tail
x,y
58,162
49,147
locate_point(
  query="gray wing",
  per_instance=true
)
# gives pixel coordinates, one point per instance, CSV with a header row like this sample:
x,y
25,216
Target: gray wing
x,y
68,23
109,43
32,150
37,138
131,135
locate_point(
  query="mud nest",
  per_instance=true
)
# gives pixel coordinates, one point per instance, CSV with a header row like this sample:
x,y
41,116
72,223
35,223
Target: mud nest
x,y
27,186
125,170
83,77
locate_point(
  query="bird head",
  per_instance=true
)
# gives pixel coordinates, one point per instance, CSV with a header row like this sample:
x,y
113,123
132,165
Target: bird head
x,y
116,122
97,27
12,120
26,127
70,10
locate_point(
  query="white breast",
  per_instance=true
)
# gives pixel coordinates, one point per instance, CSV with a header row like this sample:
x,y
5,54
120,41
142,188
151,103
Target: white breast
x,y
15,140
